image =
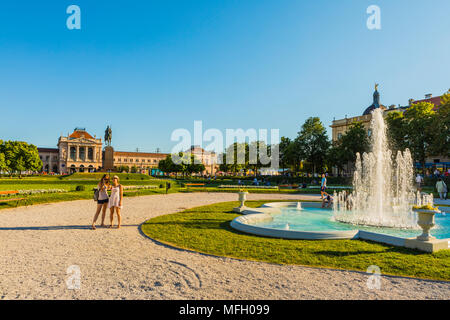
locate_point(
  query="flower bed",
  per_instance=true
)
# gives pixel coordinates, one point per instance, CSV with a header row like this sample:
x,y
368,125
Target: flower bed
x,y
140,187
41,191
228,186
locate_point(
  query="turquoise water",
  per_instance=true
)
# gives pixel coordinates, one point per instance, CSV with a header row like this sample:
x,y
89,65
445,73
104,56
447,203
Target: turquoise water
x,y
317,219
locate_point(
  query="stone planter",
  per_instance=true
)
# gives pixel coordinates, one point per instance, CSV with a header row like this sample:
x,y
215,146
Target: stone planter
x,y
426,222
242,199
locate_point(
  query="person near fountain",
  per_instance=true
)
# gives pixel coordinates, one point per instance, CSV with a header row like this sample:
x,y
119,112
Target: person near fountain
x,y
323,186
441,189
327,202
419,182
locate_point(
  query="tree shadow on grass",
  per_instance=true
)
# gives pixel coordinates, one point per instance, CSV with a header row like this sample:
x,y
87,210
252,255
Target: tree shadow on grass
x,y
191,224
388,250
49,228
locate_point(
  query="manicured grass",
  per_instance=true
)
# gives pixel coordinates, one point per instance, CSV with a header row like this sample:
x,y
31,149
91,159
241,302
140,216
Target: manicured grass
x,y
272,191
207,229
88,180
98,175
75,195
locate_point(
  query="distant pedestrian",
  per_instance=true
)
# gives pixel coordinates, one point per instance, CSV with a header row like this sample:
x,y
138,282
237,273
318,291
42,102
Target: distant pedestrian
x,y
437,173
441,189
323,186
419,182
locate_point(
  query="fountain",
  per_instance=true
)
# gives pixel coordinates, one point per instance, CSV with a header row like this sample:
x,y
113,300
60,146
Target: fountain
x,y
383,192
380,207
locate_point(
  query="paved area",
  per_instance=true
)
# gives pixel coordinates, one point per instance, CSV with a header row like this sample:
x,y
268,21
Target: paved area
x,y
39,244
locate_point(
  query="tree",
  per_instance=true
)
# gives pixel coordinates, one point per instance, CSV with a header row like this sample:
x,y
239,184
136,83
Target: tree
x,y
235,157
259,156
441,128
313,143
187,164
168,166
343,151
287,154
195,166
20,156
354,141
336,157
419,132
396,131
3,166
123,169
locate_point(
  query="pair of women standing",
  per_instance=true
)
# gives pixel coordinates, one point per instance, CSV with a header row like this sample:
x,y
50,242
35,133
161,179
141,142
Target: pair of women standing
x,y
114,203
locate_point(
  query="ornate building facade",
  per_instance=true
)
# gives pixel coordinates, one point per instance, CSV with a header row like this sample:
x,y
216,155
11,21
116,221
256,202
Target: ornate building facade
x,y
79,152
340,127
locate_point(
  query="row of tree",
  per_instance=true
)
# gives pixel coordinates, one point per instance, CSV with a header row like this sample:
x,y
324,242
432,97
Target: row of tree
x,y
18,157
186,164
422,129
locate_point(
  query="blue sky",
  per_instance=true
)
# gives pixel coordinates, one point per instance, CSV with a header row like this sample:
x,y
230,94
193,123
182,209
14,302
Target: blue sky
x,y
150,67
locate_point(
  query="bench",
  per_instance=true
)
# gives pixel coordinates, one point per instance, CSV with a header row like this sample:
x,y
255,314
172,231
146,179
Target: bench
x,y
10,193
195,185
289,186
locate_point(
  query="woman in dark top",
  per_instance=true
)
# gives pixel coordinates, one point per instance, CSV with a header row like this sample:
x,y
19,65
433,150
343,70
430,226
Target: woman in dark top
x,y
102,201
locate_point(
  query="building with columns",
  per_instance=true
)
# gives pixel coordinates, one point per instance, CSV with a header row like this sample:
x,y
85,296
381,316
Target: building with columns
x,y
79,152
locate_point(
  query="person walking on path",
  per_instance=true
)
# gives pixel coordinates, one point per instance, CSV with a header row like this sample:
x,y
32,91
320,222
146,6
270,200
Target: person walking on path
x,y
323,186
441,189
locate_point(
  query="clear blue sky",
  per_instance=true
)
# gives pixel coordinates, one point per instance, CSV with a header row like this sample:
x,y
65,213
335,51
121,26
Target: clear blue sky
x,y
149,67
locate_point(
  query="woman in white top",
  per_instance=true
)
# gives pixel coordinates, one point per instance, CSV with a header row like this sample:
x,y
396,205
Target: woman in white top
x,y
116,201
102,201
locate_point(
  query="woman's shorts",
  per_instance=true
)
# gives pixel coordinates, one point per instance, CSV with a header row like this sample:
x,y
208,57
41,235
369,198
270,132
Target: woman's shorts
x,y
322,189
102,201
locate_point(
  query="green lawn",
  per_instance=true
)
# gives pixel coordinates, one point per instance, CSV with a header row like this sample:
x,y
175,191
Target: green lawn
x,y
69,183
207,229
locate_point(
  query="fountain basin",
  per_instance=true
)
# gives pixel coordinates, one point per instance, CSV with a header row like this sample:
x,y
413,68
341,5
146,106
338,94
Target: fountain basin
x,y
282,220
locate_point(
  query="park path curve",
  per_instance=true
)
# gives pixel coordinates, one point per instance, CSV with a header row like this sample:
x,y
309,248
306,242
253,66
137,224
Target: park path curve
x,y
38,244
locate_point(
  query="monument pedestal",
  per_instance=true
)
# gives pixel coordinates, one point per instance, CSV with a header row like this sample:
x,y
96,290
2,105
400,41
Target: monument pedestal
x,y
109,158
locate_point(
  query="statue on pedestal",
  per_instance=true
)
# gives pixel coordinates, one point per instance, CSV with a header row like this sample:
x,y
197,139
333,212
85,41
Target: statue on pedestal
x,y
108,136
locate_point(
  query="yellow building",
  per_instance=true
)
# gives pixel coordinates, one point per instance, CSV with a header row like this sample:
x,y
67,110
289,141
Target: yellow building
x,y
141,160
208,158
340,127
79,152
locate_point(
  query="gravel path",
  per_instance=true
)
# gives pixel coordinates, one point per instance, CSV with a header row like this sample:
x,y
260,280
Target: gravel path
x,y
39,243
